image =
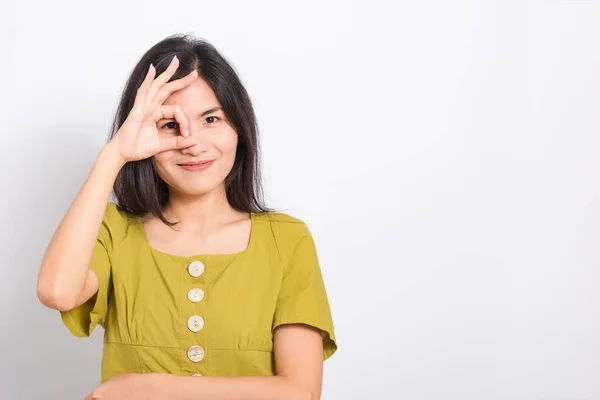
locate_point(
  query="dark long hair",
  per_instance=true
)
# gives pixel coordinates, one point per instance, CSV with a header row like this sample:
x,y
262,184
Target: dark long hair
x,y
138,188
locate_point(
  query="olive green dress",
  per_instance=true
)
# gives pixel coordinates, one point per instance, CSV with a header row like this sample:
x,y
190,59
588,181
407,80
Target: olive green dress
x,y
211,314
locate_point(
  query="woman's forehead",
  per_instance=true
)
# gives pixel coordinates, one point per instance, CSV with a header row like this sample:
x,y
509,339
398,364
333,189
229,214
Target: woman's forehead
x,y
197,94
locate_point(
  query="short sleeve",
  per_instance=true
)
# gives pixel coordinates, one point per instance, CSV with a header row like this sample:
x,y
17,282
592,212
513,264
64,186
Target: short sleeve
x,y
303,298
82,320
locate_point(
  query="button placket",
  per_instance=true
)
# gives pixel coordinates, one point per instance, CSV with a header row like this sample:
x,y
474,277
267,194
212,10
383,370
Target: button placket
x,y
195,323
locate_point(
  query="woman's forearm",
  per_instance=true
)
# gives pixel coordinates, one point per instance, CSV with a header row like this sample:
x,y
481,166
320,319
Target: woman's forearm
x,y
229,388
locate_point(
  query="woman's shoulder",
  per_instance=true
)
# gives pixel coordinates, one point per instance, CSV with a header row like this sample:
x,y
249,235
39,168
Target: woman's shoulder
x,y
115,222
115,215
284,223
285,229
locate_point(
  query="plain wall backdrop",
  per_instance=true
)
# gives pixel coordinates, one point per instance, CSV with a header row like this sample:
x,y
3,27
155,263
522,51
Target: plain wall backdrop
x,y
443,153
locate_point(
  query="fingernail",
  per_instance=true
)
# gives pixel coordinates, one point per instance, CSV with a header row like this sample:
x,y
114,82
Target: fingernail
x,y
174,57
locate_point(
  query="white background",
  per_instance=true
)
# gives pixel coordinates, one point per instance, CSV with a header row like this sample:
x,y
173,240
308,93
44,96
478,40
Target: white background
x,y
443,153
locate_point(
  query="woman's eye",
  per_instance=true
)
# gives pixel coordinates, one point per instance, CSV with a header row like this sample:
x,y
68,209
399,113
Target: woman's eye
x,y
216,119
170,125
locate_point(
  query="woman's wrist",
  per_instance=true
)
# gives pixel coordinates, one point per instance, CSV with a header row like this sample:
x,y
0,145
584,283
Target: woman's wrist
x,y
111,156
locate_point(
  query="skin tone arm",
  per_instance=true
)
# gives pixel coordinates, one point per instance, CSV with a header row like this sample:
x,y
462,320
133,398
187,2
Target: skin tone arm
x,y
299,374
65,280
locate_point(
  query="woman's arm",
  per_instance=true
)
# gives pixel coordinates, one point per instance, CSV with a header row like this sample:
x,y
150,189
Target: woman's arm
x,y
234,388
65,279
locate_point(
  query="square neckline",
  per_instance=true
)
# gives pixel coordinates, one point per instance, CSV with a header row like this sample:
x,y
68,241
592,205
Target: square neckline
x,y
147,244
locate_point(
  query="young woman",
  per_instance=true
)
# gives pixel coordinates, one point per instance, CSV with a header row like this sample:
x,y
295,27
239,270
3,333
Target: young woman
x,y
203,292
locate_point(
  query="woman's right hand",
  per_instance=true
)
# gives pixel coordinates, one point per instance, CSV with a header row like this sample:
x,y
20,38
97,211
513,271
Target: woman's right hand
x,y
138,137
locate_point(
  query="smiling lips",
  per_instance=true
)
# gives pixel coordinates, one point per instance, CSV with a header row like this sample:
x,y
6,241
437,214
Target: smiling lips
x,y
197,165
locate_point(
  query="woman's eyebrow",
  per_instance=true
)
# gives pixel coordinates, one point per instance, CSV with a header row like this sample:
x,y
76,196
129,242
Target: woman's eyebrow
x,y
211,110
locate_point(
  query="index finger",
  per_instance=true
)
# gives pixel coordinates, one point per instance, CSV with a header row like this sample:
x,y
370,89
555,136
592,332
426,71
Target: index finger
x,y
161,80
173,111
174,86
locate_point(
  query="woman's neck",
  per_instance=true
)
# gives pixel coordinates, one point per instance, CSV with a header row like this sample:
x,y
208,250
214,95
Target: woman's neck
x,y
199,213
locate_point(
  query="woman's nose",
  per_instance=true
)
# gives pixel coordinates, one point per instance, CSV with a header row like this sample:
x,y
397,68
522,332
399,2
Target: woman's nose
x,y
199,142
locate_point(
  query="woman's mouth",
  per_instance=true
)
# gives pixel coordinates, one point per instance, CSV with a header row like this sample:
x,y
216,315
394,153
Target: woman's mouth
x,y
196,165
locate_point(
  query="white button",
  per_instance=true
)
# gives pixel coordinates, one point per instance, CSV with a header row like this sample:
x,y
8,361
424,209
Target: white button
x,y
195,295
195,323
195,353
196,268
197,375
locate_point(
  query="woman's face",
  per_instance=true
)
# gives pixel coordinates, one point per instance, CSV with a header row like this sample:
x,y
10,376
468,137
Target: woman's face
x,y
213,140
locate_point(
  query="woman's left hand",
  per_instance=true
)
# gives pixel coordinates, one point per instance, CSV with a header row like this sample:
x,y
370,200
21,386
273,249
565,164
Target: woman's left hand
x,y
126,387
